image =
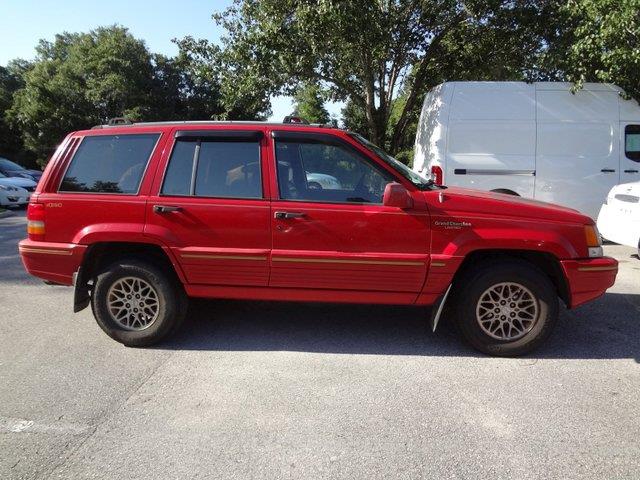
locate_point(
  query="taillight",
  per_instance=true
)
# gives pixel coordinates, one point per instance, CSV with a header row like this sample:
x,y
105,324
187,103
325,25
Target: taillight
x,y
35,221
436,172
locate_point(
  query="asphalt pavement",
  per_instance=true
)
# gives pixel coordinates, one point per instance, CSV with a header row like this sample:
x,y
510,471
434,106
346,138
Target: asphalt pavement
x,y
303,391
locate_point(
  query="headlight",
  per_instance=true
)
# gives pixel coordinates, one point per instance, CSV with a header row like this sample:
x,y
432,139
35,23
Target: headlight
x,y
594,241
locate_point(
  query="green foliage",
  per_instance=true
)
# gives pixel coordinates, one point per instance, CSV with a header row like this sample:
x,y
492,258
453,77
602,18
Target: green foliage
x,y
80,80
10,140
211,81
309,103
604,42
83,79
369,52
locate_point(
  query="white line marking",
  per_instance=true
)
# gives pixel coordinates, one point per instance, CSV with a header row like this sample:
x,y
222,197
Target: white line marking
x,y
21,425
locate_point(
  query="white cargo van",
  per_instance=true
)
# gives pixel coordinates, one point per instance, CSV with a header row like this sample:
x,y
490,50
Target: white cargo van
x,y
536,140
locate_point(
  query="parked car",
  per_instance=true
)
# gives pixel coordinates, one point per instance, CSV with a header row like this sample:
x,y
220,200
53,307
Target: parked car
x,y
619,218
141,217
12,169
322,181
538,140
25,183
12,196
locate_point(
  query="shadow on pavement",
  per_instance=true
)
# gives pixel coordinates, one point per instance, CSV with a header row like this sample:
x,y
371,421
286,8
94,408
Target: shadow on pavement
x,y
592,332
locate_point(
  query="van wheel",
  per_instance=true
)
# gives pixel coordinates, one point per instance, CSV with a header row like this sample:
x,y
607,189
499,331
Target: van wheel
x,y
137,304
507,308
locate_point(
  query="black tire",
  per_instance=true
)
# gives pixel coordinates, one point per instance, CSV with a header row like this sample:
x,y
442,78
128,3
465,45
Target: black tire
x,y
476,282
171,299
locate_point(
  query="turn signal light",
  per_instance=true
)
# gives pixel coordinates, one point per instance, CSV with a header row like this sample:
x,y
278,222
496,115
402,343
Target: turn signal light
x,y
594,242
35,221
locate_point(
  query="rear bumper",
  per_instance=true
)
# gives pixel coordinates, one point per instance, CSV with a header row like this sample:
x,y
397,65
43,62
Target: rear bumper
x,y
588,279
55,262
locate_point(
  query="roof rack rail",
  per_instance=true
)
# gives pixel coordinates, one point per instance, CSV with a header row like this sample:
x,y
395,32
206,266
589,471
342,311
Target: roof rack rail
x,y
295,119
124,122
119,121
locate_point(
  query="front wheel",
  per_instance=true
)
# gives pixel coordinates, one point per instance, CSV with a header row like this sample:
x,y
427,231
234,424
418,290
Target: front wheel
x,y
137,304
507,308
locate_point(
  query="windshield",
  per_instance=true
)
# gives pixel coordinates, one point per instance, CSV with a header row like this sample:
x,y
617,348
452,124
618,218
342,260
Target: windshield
x,y
9,165
418,180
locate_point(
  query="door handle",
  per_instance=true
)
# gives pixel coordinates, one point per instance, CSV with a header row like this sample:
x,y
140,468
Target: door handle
x,y
608,170
631,171
288,215
165,208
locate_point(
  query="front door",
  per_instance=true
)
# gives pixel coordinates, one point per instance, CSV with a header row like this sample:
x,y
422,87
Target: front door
x,y
211,209
330,229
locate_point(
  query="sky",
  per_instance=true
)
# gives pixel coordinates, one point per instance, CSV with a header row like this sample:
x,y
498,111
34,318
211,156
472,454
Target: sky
x,y
24,22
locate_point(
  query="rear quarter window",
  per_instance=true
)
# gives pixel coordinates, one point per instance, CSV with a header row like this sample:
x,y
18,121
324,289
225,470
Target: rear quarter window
x,y
109,164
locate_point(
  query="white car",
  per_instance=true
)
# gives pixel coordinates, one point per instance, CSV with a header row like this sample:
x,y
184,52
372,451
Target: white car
x,y
322,181
11,196
619,218
28,184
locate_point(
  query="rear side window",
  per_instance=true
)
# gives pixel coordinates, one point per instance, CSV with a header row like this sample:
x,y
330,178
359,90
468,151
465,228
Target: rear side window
x,y
109,164
213,168
632,142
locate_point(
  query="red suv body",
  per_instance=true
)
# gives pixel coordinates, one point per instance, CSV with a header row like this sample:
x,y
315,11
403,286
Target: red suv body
x,y
295,212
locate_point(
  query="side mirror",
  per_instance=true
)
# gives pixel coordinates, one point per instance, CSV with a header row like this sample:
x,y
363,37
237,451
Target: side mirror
x,y
395,195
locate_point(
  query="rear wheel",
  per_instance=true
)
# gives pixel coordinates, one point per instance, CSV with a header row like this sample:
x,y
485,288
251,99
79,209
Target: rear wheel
x,y
137,304
507,308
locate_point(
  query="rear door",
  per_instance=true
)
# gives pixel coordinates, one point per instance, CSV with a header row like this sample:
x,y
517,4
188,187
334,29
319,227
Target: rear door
x,y
330,229
209,204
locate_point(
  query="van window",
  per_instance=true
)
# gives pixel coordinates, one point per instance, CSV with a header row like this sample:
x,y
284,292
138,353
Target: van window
x,y
223,169
632,142
109,164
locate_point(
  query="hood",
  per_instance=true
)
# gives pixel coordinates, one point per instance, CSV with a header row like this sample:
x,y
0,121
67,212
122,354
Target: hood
x,y
479,201
17,182
626,189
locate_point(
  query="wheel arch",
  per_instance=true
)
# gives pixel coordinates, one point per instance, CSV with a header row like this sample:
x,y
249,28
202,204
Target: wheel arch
x,y
100,254
548,263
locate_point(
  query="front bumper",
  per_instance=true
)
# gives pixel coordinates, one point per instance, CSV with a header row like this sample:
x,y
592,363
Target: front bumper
x,y
589,278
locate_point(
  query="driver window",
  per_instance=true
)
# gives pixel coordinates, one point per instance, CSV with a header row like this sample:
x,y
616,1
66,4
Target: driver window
x,y
326,172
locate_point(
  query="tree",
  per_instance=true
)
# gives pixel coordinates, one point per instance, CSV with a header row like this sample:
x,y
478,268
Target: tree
x,y
604,43
309,103
10,82
80,80
83,79
209,82
367,52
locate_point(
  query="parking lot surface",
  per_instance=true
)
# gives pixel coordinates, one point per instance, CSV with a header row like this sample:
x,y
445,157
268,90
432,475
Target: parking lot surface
x,y
283,390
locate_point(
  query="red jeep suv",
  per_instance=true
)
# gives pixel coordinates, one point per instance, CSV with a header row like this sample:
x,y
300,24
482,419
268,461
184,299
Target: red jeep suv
x,y
140,217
